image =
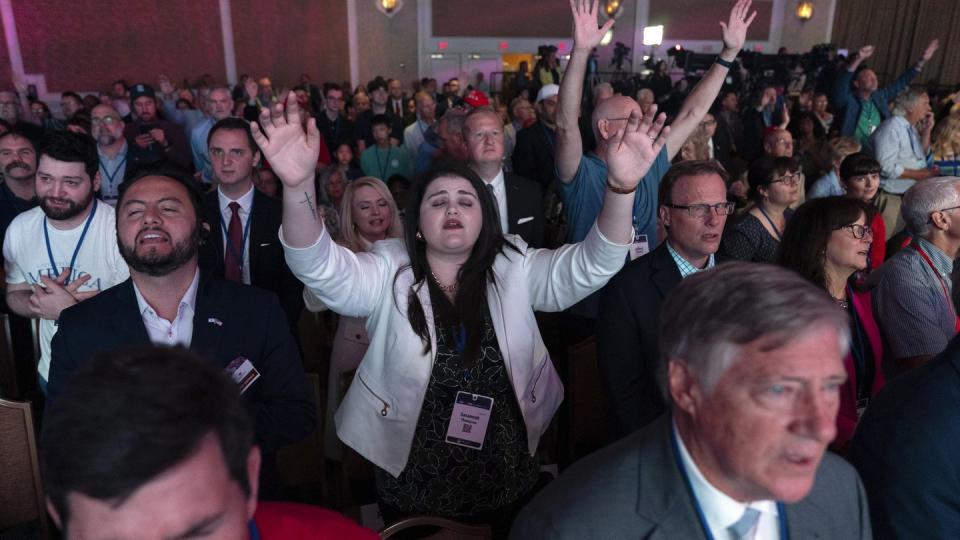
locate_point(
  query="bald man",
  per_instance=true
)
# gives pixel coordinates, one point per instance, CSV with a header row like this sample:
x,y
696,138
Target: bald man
x,y
584,177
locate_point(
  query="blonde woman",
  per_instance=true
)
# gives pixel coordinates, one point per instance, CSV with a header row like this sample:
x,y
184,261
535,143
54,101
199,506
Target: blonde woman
x,y
946,145
367,214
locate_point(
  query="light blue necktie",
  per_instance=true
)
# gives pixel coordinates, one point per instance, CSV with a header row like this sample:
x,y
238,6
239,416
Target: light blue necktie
x,y
741,529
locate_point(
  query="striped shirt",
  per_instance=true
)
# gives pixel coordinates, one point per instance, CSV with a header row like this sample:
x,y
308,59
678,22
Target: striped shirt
x,y
909,302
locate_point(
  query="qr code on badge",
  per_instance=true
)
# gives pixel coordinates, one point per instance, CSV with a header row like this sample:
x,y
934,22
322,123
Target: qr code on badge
x,y
467,428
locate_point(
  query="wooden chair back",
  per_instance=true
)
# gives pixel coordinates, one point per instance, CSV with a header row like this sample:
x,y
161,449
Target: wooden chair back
x,y
9,381
21,489
449,529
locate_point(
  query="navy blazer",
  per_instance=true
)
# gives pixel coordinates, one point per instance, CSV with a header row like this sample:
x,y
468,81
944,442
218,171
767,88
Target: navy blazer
x,y
524,203
268,269
627,328
230,320
906,448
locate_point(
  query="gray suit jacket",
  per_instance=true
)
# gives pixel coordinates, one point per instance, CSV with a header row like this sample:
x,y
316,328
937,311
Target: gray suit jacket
x,y
633,489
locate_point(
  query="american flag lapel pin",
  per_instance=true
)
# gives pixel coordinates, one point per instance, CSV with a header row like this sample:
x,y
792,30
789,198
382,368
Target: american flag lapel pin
x,y
216,321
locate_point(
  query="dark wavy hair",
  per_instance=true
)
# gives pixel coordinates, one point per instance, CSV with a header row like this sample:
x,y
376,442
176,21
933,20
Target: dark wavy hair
x,y
474,274
762,172
804,244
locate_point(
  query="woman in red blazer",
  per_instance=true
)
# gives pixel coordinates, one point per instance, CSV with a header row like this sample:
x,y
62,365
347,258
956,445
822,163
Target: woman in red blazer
x,y
828,241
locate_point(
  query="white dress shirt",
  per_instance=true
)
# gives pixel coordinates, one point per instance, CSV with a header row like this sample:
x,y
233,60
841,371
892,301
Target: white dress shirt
x,y
500,192
178,331
722,511
246,203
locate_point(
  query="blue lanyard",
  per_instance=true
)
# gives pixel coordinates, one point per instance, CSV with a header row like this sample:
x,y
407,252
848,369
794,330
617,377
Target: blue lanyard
x,y
109,176
254,531
383,169
770,221
781,509
73,260
243,241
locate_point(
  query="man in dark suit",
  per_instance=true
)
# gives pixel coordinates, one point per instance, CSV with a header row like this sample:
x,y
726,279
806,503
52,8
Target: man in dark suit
x,y
754,357
519,200
535,152
167,302
244,248
906,449
693,209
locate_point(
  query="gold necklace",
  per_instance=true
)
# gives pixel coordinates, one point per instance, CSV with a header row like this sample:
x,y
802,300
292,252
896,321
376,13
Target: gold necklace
x,y
441,286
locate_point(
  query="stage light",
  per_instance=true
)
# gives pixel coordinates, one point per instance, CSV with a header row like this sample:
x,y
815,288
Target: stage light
x,y
653,35
805,11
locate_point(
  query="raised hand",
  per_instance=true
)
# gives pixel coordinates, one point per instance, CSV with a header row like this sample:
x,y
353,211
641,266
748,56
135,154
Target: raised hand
x,y
735,30
931,48
634,148
865,52
291,152
586,34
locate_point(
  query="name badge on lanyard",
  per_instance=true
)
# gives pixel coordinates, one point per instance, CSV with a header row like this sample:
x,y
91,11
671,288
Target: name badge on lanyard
x,y
640,246
468,423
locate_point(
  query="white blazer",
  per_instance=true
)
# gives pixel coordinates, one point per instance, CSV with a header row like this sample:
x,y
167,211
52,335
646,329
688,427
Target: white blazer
x,y
379,414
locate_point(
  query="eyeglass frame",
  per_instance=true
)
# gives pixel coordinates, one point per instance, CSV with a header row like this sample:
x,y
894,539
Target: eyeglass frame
x,y
796,176
692,208
941,210
105,120
864,230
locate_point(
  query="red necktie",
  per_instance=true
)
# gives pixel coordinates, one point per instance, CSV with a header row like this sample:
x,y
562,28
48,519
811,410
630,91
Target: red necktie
x,y
396,108
233,261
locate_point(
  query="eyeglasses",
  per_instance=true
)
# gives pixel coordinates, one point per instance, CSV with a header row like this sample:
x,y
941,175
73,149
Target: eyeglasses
x,y
708,123
790,179
859,231
106,120
701,211
942,210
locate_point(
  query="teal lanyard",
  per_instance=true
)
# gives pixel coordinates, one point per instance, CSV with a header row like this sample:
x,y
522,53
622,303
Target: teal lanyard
x,y
109,176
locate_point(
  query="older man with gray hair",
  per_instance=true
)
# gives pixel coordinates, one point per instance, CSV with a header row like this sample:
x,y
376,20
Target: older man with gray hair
x,y
912,297
901,144
752,366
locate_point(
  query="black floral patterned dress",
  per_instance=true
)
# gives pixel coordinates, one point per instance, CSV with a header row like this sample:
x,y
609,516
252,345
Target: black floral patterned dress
x,y
454,481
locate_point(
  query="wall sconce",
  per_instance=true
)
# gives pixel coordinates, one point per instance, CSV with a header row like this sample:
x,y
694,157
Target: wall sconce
x,y
389,7
804,11
612,8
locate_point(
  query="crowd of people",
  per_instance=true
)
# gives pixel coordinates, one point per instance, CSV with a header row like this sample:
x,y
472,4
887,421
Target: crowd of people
x,y
765,262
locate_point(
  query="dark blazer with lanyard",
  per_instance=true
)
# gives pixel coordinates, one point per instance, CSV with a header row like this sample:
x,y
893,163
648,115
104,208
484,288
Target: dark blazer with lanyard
x,y
637,490
268,270
230,321
524,208
627,328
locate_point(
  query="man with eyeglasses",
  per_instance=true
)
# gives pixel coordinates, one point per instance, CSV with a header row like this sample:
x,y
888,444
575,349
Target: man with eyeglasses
x,y
913,294
333,125
693,208
106,127
11,107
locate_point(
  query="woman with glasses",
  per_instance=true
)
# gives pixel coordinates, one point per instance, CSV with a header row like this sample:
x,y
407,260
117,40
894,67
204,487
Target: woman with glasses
x,y
774,187
828,242
860,178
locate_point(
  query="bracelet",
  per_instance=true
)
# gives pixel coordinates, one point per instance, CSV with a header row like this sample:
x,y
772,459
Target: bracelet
x,y
724,63
618,190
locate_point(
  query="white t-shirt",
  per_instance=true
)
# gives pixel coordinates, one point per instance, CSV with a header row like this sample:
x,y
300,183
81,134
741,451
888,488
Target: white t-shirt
x,y
25,259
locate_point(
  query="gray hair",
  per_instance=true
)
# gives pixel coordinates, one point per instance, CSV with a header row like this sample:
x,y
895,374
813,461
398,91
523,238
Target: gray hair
x,y
454,119
600,87
907,99
711,315
925,198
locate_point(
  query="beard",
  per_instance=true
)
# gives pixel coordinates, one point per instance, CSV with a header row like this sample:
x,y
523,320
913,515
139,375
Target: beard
x,y
72,209
106,139
153,264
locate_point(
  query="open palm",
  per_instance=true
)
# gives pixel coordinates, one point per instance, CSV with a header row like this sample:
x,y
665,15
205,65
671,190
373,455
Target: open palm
x,y
633,149
586,33
735,29
291,152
